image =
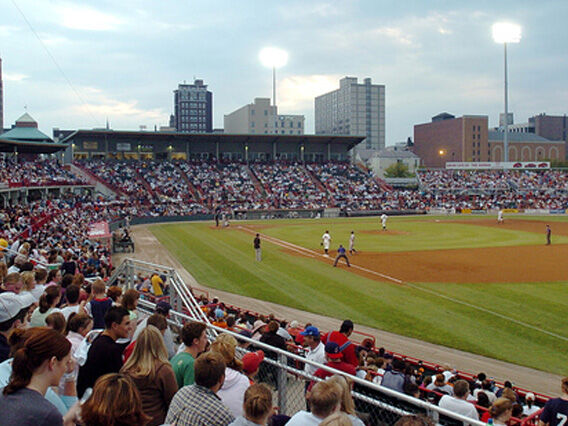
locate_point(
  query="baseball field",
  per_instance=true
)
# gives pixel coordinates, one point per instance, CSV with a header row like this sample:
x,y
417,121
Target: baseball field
x,y
459,281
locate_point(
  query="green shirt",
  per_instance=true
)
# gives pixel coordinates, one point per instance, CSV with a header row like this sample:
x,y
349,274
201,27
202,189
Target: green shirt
x,y
182,364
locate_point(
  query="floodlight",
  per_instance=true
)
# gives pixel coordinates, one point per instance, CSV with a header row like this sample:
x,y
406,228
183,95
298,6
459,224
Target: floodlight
x,y
506,32
273,57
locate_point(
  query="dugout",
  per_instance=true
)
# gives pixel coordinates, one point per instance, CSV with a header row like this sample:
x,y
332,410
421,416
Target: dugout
x,y
141,145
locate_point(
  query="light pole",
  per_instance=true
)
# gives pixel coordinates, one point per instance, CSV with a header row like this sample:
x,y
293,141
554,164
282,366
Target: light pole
x,y
504,32
273,57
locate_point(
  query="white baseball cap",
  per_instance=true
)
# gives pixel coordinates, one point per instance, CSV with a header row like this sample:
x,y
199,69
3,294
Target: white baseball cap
x,y
11,304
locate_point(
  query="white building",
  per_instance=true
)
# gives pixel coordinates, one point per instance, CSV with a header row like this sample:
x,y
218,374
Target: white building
x,y
354,109
385,158
262,118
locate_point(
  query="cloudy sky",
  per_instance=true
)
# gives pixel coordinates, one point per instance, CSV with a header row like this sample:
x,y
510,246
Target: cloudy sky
x,y
121,60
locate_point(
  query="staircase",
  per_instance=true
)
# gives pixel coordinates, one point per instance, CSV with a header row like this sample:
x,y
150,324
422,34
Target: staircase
x,y
382,184
190,187
146,185
257,185
101,186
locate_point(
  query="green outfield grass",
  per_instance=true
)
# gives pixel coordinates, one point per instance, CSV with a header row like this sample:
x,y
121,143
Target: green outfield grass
x,y
478,318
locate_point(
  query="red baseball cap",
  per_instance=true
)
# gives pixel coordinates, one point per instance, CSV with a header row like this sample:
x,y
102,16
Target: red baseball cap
x,y
252,360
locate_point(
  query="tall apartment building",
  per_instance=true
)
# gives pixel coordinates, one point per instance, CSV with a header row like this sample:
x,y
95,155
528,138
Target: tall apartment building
x,y
261,117
193,108
354,109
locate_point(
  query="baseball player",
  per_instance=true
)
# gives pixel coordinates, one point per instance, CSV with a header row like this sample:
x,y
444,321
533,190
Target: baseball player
x,y
352,243
384,218
500,219
326,242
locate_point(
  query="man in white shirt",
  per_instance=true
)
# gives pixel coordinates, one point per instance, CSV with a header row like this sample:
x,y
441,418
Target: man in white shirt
x,y
384,218
316,349
325,399
458,403
326,242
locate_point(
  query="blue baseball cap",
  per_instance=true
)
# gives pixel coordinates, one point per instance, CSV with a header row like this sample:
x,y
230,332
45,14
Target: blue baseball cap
x,y
332,350
311,331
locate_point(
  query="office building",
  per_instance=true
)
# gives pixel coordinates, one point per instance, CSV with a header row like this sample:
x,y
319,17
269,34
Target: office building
x,y
262,118
193,108
354,109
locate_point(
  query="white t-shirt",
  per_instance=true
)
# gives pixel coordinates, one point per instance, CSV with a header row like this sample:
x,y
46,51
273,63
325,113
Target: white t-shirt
x,y
68,310
326,238
303,418
458,406
316,355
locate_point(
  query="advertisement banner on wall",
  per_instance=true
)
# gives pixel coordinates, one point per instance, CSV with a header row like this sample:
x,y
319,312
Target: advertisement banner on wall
x,y
521,165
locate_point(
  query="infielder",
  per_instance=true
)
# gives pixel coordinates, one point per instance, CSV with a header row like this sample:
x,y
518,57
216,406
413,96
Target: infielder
x,y
384,218
500,217
326,242
352,243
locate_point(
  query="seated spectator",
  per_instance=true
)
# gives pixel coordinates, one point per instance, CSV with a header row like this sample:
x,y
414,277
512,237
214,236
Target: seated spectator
x,y
347,404
105,355
556,409
115,293
501,411
529,408
394,379
315,348
458,403
198,404
39,364
439,385
72,294
270,337
47,304
232,392
251,363
257,406
56,321
347,347
486,386
334,360
13,315
324,399
150,370
115,402
194,337
12,283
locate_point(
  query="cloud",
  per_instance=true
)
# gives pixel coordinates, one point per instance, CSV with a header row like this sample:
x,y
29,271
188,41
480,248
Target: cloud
x,y
80,17
297,93
9,76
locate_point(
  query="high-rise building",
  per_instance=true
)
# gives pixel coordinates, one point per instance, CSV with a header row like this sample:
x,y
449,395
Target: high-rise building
x,y
193,108
262,118
354,109
1,100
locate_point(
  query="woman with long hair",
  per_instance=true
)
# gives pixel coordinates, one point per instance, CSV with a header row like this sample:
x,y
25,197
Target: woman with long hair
x,y
38,364
236,383
115,401
257,406
47,304
347,404
153,375
501,411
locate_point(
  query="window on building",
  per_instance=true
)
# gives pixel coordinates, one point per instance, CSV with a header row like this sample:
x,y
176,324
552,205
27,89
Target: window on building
x,y
299,124
265,124
265,112
252,112
252,124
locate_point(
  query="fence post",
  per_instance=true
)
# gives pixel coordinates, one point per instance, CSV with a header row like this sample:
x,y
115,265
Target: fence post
x,y
281,383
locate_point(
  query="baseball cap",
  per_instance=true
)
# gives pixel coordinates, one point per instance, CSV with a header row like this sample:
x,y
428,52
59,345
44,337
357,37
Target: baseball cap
x,y
311,331
529,395
332,350
163,306
11,304
252,360
3,244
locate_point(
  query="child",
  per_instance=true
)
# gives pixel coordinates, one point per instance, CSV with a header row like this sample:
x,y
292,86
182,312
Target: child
x,y
100,303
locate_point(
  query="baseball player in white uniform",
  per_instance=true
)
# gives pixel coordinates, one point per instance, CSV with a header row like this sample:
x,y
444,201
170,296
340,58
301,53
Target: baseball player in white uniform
x,y
352,243
384,218
500,217
326,242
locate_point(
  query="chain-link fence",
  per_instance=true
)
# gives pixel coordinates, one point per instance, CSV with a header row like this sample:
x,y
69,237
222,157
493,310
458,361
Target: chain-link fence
x,y
284,371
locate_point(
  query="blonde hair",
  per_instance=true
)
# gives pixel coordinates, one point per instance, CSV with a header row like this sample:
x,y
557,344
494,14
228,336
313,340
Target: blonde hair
x,y
257,402
148,351
347,404
500,406
28,278
98,287
225,345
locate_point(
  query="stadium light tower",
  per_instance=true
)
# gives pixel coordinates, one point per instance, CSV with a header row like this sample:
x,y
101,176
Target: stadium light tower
x,y
273,57
505,32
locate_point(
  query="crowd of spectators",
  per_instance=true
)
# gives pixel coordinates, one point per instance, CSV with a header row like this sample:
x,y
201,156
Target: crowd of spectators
x,y
20,173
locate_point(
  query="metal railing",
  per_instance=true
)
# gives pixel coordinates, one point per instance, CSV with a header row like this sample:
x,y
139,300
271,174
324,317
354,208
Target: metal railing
x,y
282,370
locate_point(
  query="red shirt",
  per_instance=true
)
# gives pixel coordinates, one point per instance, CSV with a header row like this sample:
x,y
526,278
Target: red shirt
x,y
341,366
349,351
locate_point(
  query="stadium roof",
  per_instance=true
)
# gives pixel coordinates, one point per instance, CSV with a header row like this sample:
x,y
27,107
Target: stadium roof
x,y
389,153
350,141
495,135
25,137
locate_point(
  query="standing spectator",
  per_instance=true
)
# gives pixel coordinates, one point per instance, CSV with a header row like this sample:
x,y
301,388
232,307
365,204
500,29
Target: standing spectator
x,y
162,308
47,304
72,294
270,337
347,347
105,355
257,406
315,348
150,370
459,403
325,399
347,404
556,410
198,404
68,266
157,285
115,401
157,321
257,249
39,364
194,338
99,305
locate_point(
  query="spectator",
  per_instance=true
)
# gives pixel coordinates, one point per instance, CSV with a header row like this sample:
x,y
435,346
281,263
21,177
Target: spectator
x,y
115,293
56,321
194,337
315,348
99,305
347,347
347,404
47,304
12,283
555,410
324,399
150,370
105,355
251,363
439,385
337,419
529,408
458,403
130,302
199,404
394,379
232,392
115,402
163,309
334,360
13,315
39,364
414,420
257,406
72,294
270,337
157,321
501,411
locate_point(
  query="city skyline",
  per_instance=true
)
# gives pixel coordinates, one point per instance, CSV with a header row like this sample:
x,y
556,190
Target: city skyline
x,y
124,60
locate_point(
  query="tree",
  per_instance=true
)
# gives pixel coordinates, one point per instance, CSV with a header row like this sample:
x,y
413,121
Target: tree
x,y
398,170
